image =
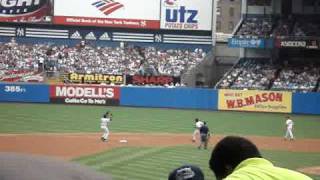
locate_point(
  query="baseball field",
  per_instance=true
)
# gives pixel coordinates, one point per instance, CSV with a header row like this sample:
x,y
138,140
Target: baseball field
x,y
158,140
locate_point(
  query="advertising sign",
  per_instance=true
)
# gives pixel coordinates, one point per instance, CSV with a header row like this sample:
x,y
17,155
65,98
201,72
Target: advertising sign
x,y
246,43
25,10
24,93
143,14
96,78
261,101
155,80
21,76
186,14
84,94
298,43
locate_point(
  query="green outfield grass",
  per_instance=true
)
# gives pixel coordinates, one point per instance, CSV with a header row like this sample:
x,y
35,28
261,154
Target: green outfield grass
x,y
29,118
142,163
156,163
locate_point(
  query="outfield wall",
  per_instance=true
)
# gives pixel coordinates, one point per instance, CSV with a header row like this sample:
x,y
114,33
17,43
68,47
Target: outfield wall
x,y
188,98
306,103
36,93
169,97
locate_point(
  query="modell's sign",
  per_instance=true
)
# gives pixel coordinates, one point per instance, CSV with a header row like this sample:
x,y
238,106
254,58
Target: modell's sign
x,y
152,80
96,78
24,10
77,94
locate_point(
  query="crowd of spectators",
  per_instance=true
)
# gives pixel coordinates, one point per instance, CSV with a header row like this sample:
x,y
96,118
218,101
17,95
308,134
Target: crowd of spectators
x,y
255,27
284,27
128,60
263,75
20,57
249,74
294,26
297,78
307,27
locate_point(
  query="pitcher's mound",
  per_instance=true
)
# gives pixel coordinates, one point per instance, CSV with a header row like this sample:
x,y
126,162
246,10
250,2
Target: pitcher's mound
x,y
311,170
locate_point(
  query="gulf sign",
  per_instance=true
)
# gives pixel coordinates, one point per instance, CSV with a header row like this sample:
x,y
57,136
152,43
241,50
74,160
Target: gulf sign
x,y
253,100
85,94
186,14
141,14
24,10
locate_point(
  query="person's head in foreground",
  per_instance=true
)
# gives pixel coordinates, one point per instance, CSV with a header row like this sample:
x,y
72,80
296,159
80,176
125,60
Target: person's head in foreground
x,y
238,158
186,172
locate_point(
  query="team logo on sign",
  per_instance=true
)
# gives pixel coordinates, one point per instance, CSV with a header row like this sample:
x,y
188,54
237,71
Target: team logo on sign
x,y
170,2
107,6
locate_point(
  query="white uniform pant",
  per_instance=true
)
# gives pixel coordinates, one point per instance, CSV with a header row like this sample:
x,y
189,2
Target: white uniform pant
x,y
106,132
195,132
289,134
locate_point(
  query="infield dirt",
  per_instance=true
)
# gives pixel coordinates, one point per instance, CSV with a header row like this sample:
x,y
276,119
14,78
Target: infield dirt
x,y
69,146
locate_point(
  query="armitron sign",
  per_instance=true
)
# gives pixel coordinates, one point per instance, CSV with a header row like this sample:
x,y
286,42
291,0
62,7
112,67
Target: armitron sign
x,y
78,94
262,101
96,78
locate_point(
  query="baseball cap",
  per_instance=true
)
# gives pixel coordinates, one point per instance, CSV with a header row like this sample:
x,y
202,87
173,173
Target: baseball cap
x,y
186,172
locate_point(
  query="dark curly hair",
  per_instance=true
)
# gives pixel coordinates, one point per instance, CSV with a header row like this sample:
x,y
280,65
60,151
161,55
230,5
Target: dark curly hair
x,y
229,153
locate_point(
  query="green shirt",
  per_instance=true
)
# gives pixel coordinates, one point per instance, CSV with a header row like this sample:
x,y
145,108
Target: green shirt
x,y
262,169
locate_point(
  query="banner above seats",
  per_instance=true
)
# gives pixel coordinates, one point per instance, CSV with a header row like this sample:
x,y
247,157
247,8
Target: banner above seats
x,y
26,11
108,13
298,43
112,79
159,14
258,43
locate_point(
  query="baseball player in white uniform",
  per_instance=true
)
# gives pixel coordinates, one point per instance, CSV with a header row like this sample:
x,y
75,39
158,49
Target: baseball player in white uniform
x,y
198,125
289,128
105,120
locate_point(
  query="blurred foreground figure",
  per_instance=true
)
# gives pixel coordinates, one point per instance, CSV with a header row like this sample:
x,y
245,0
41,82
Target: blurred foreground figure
x,y
186,172
16,166
236,158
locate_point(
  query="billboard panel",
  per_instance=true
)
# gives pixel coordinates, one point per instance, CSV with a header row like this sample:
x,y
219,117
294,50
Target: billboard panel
x,y
186,14
96,78
246,43
21,76
261,101
29,11
152,80
24,93
119,13
84,94
298,43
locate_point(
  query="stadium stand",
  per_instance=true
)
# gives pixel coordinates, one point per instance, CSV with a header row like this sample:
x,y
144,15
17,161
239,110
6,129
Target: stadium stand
x,y
250,74
129,60
255,27
306,27
284,27
302,78
261,74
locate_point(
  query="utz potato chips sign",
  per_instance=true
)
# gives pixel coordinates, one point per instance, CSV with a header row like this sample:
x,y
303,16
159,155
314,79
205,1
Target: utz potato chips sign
x,y
261,101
